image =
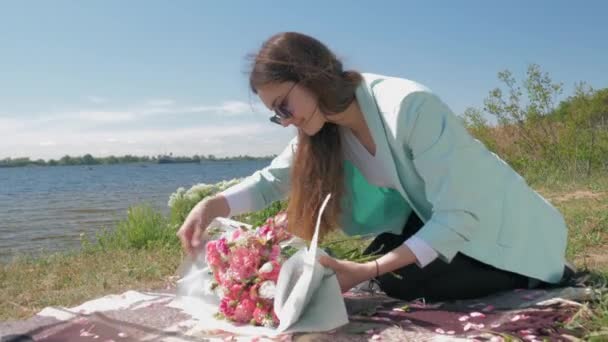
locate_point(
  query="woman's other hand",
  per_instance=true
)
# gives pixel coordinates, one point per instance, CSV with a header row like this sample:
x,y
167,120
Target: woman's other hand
x,y
191,231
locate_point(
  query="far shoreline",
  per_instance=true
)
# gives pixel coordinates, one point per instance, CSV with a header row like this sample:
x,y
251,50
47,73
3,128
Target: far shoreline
x,y
88,160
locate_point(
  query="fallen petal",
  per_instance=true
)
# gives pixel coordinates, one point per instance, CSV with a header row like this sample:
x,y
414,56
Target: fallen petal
x,y
122,335
515,318
495,325
451,332
376,337
477,314
463,318
440,331
467,327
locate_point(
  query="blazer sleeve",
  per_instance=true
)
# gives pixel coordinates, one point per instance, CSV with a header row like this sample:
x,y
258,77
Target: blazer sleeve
x,y
263,187
443,154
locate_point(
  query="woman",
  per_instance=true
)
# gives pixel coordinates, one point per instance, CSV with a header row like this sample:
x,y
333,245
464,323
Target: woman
x,y
451,218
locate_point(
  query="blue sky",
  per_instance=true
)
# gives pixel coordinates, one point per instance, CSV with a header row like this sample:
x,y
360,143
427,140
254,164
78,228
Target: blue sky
x,y
149,77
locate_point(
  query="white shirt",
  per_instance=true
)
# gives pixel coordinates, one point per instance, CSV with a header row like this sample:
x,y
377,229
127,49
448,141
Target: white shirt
x,y
375,173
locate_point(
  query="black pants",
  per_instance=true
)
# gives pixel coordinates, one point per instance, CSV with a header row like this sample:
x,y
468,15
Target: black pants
x,y
463,278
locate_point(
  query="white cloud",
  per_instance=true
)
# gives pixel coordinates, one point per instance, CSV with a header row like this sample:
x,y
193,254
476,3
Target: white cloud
x,y
253,138
138,130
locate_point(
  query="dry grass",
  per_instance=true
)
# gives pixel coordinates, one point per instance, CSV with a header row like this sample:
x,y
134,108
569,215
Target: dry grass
x,y
28,284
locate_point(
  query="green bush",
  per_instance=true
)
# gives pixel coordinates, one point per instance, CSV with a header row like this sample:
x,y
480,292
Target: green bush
x,y
144,227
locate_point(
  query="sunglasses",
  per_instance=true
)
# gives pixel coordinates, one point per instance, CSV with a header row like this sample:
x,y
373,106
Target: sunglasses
x,y
281,112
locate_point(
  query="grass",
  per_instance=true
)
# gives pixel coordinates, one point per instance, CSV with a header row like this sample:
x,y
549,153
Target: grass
x,y
143,253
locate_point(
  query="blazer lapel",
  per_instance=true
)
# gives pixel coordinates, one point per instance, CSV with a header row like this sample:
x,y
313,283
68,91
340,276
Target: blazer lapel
x,y
375,123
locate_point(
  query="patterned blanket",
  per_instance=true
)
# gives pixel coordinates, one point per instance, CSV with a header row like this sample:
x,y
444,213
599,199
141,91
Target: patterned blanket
x,y
530,315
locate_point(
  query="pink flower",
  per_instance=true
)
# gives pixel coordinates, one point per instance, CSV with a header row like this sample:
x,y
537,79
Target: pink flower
x,y
213,255
253,292
270,271
262,317
235,234
275,253
222,276
265,232
244,311
236,291
222,246
246,266
227,306
244,263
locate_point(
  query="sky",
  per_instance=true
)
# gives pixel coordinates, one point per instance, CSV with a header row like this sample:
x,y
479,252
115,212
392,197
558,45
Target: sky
x,y
155,77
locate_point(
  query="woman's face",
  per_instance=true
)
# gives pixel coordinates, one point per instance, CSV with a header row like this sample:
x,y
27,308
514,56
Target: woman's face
x,y
298,101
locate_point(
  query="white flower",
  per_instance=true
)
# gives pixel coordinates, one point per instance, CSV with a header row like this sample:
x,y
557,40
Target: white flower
x,y
267,289
200,191
266,268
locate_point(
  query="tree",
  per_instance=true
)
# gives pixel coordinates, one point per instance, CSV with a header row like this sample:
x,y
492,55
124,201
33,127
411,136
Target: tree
x,y
530,115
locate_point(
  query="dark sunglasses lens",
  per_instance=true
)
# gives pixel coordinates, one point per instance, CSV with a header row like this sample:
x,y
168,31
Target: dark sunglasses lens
x,y
275,119
283,112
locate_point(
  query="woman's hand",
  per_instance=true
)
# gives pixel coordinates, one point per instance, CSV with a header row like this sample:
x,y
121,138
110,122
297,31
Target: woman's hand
x,y
349,273
191,231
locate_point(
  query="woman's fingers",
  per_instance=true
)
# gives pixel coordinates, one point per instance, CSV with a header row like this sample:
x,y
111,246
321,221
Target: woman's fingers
x,y
184,241
327,261
196,237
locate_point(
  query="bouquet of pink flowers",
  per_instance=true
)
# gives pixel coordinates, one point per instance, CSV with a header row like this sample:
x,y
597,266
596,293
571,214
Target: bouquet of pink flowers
x,y
245,266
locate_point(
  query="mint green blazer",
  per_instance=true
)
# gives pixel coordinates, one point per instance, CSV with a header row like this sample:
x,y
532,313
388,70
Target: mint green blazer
x,y
469,199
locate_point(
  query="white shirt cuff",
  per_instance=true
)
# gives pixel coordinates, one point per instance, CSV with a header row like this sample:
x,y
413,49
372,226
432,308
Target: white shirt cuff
x,y
238,200
424,253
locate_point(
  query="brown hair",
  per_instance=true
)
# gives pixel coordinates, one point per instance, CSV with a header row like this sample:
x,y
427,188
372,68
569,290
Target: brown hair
x,y
317,168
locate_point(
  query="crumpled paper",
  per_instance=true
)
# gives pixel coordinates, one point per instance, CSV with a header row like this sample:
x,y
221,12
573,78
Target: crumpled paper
x,y
307,298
